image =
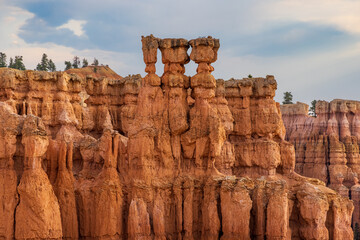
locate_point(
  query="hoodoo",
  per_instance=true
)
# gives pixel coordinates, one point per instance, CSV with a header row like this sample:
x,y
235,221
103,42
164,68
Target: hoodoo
x,y
326,146
159,157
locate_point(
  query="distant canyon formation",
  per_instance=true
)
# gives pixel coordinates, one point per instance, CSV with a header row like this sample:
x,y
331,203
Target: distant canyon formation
x,y
327,147
98,156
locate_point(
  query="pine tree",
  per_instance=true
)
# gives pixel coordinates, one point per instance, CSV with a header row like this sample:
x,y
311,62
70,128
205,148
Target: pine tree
x,y
11,63
249,76
51,66
76,62
312,108
3,60
17,63
67,65
85,63
288,97
44,64
96,62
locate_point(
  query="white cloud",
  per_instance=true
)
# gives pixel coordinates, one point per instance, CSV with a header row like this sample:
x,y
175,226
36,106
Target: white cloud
x,y
343,14
11,19
322,75
122,63
76,26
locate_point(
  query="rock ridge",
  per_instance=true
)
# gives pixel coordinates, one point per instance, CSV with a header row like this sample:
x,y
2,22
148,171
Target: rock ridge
x,y
155,157
326,146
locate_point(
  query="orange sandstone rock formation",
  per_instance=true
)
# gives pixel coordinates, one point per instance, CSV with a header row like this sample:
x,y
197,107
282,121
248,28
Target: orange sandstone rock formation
x,y
327,146
38,214
9,129
159,157
64,190
95,72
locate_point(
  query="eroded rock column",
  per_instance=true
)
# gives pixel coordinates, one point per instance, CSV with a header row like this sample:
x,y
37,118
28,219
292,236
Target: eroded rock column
x,y
149,136
174,84
313,206
206,135
355,196
138,221
236,205
226,160
38,214
277,212
65,192
8,181
210,213
107,192
341,213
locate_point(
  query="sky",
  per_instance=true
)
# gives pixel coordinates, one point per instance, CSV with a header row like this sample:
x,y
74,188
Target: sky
x,y
312,47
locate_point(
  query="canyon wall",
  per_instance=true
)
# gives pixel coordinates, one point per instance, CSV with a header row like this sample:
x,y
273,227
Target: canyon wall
x,y
327,146
159,157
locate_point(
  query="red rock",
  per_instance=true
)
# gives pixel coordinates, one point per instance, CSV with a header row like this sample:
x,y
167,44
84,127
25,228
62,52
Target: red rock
x,y
170,157
8,180
313,205
210,215
277,222
326,146
107,193
138,221
100,200
64,191
38,213
236,205
355,196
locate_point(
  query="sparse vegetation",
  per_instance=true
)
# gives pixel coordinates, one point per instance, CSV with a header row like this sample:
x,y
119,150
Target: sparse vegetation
x,y
96,62
2,59
46,64
67,65
76,62
312,108
17,63
288,98
52,67
85,62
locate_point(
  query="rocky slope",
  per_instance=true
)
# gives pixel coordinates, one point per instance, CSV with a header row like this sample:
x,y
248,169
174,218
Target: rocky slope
x,y
327,146
170,157
95,72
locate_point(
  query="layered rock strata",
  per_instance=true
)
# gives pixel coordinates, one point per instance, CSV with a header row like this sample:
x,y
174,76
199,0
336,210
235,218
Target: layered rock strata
x,y
327,145
159,157
9,198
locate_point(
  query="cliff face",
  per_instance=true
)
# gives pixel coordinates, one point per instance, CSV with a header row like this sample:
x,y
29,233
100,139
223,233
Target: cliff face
x,y
170,157
327,146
